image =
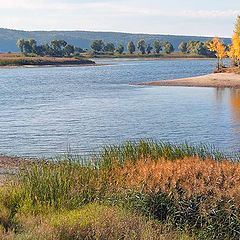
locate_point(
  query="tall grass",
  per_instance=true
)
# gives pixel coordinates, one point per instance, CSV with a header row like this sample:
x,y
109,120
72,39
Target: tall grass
x,y
66,183
133,151
193,188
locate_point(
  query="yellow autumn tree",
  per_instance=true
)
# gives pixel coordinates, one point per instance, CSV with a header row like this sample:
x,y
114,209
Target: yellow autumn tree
x,y
237,25
218,47
234,49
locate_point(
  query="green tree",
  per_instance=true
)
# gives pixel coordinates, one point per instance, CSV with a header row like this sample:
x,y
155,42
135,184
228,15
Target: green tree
x,y
78,50
149,48
207,51
120,49
97,45
190,46
200,48
197,47
141,45
33,44
58,44
40,50
27,48
20,44
193,46
168,48
109,47
47,50
183,47
57,47
131,47
157,46
68,50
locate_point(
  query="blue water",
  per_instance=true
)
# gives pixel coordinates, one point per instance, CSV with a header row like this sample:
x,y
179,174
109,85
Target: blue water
x,y
47,111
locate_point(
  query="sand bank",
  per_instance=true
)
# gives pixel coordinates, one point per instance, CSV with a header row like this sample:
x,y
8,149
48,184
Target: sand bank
x,y
217,80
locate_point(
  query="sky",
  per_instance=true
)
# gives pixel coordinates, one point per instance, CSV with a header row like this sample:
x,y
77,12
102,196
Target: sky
x,y
180,17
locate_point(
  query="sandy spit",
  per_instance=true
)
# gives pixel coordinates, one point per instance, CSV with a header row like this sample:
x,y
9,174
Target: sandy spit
x,y
216,80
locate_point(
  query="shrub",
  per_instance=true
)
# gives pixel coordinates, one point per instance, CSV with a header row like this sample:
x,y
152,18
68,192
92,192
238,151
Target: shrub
x,y
110,223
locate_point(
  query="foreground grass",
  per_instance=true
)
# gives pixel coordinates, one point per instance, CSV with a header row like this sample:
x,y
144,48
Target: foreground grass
x,y
142,190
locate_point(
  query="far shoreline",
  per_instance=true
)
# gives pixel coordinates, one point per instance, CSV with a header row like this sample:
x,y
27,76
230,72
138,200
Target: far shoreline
x,y
53,66
214,80
151,58
94,64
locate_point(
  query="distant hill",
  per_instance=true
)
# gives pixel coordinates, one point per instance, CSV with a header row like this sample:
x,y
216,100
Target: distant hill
x,y
83,39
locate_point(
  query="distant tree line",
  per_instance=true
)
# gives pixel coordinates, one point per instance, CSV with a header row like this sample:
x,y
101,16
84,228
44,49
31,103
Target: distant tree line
x,y
60,48
196,47
56,48
191,47
99,46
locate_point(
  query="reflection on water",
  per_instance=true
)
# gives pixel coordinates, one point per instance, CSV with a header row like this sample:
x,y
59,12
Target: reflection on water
x,y
230,99
233,96
235,104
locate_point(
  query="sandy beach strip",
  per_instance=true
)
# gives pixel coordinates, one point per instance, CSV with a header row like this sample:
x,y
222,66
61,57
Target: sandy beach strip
x,y
216,80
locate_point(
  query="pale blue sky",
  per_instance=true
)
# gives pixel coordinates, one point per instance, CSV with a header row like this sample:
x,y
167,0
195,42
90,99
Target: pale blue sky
x,y
185,17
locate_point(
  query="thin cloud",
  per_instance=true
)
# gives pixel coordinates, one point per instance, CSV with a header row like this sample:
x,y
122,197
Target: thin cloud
x,y
111,8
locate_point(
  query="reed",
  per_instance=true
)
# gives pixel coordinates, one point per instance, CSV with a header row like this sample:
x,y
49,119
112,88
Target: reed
x,y
133,151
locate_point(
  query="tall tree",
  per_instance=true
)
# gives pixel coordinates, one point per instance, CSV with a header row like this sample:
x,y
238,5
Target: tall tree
x,y
20,44
237,25
98,45
234,49
68,50
168,48
183,47
120,49
218,48
141,45
57,47
157,46
40,50
131,47
109,47
33,43
27,48
149,48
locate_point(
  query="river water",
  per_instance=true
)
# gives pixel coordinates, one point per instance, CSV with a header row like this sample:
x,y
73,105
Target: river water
x,y
48,111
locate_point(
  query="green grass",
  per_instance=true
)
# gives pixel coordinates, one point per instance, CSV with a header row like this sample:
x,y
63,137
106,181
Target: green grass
x,y
155,150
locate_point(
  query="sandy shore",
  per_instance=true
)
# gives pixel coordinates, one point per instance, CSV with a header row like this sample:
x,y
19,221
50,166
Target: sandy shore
x,y
216,80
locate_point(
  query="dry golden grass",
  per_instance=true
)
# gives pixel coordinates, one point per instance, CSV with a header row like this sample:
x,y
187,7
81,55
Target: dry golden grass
x,y
13,56
229,70
190,175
